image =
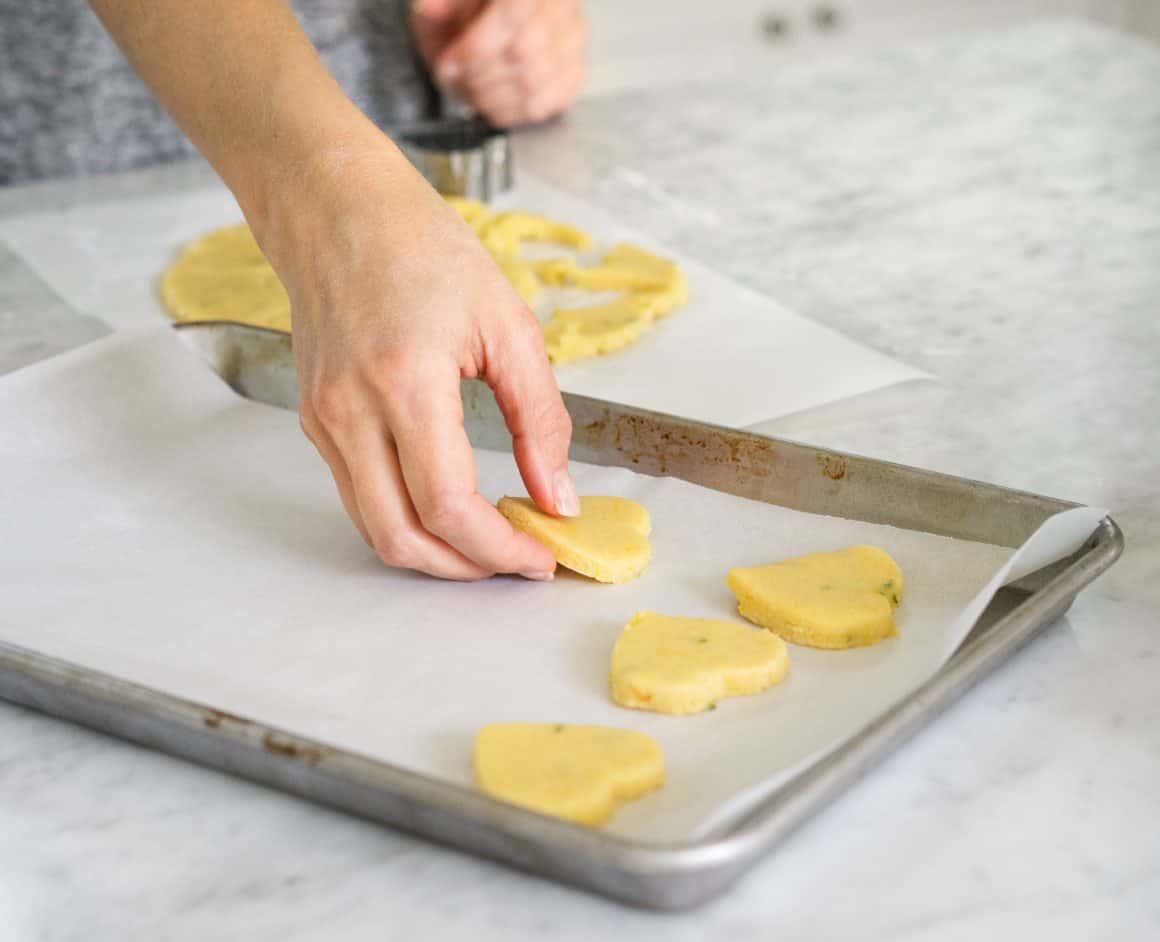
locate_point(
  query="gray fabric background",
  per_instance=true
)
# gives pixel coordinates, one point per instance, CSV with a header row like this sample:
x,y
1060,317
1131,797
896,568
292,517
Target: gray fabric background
x,y
71,105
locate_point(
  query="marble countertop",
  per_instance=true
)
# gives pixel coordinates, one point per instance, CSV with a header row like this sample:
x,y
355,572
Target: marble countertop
x,y
986,207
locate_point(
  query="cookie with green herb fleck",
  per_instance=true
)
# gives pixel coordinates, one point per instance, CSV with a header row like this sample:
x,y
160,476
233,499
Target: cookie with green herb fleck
x,y
679,665
580,773
842,599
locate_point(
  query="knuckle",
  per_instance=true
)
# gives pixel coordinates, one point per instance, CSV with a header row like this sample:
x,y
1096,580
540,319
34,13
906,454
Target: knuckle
x,y
394,547
442,513
308,422
554,421
329,405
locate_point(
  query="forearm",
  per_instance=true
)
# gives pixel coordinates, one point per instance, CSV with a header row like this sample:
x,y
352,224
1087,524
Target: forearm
x,y
246,85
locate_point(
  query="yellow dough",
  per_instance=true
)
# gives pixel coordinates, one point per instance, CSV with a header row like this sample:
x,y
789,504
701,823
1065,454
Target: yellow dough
x,y
574,333
672,664
503,232
556,271
224,276
580,773
652,287
608,542
825,600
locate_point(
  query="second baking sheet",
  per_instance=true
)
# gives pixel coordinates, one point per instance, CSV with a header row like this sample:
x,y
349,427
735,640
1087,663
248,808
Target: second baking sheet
x,y
730,356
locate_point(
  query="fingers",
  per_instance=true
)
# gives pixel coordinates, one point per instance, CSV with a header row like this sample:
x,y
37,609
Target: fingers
x,y
438,467
334,460
436,23
525,388
370,482
485,37
396,532
516,65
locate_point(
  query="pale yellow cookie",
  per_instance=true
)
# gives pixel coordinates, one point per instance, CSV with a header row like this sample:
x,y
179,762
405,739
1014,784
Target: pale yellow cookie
x,y
580,773
608,542
825,600
503,232
575,333
673,664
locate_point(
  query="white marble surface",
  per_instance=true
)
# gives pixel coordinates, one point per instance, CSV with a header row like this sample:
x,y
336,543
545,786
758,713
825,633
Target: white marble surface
x,y
986,207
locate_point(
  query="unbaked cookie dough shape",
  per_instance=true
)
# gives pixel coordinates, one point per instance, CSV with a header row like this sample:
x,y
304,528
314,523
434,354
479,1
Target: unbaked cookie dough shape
x,y
841,599
223,276
678,665
579,773
607,542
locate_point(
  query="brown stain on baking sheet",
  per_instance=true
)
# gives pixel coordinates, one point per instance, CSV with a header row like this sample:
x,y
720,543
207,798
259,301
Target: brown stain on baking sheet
x,y
291,749
833,466
214,718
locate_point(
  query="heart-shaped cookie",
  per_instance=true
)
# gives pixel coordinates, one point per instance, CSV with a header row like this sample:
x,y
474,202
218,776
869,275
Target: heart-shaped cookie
x,y
607,542
580,773
673,664
825,600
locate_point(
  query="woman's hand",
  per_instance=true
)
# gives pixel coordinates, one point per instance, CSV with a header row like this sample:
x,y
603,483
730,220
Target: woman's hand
x,y
513,61
394,300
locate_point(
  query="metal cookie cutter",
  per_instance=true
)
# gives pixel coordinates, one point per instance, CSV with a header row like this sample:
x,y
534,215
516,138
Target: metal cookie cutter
x,y
459,156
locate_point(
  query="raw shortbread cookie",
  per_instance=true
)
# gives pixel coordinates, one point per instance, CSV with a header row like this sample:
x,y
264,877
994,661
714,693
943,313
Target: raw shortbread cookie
x,y
224,276
608,542
580,773
672,664
825,600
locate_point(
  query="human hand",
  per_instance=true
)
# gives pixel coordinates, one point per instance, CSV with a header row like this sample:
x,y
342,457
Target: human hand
x,y
513,61
394,301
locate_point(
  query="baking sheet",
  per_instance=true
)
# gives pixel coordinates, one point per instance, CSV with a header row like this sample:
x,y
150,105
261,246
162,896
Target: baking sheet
x,y
730,356
162,529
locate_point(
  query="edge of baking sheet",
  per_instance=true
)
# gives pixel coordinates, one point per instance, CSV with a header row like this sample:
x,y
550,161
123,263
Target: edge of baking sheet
x,y
660,876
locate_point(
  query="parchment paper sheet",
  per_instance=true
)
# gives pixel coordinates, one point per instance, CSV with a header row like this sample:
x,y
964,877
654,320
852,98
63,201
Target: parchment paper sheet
x,y
160,528
730,356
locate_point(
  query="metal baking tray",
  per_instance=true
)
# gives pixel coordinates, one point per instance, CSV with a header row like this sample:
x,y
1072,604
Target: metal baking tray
x,y
259,364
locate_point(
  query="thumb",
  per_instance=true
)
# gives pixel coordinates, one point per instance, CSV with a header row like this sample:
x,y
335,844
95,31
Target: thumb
x,y
436,23
526,392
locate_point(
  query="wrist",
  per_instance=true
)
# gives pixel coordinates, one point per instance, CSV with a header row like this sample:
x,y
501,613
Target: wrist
x,y
317,196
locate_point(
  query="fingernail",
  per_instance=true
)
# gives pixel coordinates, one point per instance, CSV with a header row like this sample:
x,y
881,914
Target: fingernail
x,y
567,503
539,576
449,72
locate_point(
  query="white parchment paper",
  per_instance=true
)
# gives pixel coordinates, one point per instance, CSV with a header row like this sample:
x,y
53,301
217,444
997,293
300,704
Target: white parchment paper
x,y
741,358
160,528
